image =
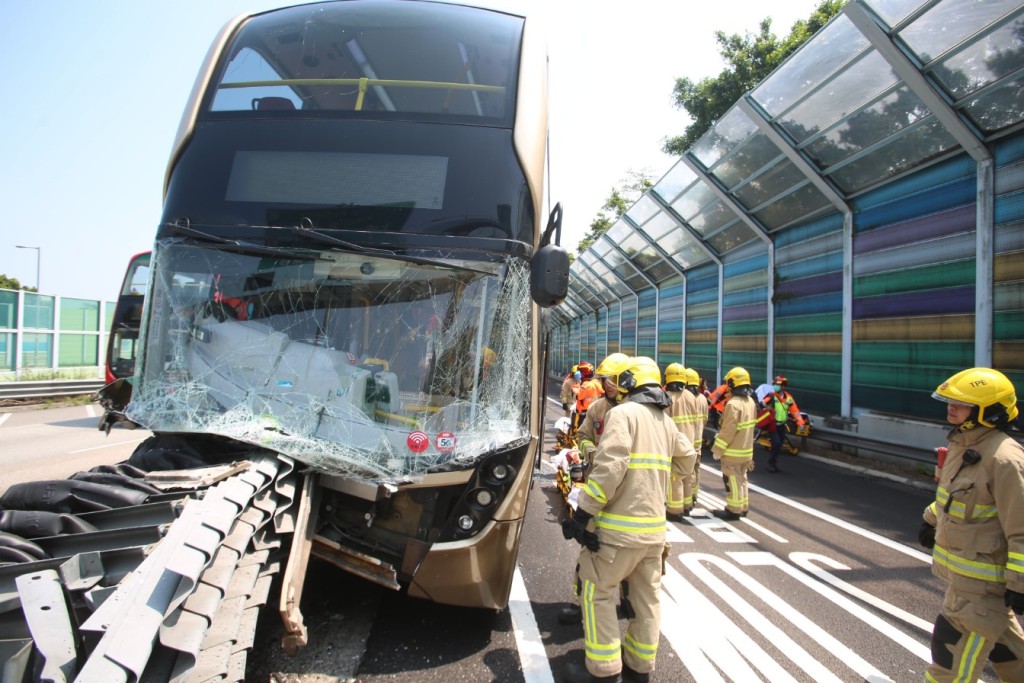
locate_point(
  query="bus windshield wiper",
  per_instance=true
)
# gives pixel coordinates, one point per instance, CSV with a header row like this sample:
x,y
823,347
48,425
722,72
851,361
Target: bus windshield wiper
x,y
352,247
240,247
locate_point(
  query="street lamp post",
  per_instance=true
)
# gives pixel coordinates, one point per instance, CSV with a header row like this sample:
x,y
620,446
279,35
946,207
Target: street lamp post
x,y
39,256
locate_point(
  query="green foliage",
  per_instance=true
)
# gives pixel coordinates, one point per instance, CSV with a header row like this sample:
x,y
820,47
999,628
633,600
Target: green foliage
x,y
633,187
750,58
13,283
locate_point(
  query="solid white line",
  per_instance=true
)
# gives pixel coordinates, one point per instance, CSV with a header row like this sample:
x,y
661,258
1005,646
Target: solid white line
x,y
870,535
108,445
90,410
3,417
532,656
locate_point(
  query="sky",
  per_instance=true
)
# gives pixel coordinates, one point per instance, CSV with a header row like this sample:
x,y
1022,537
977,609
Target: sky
x,y
102,85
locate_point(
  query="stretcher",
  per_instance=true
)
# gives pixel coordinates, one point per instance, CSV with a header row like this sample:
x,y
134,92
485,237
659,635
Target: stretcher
x,y
567,461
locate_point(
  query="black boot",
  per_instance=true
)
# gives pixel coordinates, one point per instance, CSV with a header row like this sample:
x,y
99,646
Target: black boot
x,y
570,615
727,515
577,673
634,676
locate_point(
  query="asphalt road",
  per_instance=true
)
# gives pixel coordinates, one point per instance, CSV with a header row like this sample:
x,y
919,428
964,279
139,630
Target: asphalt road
x,y
822,582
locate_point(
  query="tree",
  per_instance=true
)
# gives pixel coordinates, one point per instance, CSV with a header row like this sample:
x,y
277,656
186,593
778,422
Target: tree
x,y
633,187
13,283
750,58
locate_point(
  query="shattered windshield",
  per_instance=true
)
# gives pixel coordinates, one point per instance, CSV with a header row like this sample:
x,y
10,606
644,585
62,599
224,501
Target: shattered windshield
x,y
363,365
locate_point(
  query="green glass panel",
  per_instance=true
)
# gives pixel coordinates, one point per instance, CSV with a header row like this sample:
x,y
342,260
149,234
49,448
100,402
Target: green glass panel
x,y
1008,325
79,315
7,350
948,274
38,312
916,353
809,324
36,350
8,309
745,327
77,350
830,363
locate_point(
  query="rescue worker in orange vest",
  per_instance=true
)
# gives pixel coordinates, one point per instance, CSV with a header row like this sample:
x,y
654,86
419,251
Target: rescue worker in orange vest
x,y
684,413
693,385
716,404
975,528
734,445
587,438
590,390
620,522
569,388
784,406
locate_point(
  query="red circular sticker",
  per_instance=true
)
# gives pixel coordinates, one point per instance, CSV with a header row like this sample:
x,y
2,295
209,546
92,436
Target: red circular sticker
x,y
445,442
418,441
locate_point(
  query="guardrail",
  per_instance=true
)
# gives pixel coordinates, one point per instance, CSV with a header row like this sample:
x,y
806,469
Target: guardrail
x,y
859,442
49,389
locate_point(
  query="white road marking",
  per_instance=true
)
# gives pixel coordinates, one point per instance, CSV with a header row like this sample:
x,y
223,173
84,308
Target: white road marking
x,y
3,417
806,562
90,410
532,656
107,445
852,528
698,564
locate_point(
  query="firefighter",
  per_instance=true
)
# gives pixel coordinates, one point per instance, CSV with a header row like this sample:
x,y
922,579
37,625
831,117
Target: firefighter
x,y
569,388
693,385
588,436
734,444
784,407
590,390
685,415
620,522
975,528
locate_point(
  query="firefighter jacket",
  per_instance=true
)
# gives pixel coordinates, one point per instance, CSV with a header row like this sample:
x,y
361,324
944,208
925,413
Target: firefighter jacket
x,y
736,436
569,387
718,398
978,514
627,484
702,411
589,433
686,413
590,391
784,405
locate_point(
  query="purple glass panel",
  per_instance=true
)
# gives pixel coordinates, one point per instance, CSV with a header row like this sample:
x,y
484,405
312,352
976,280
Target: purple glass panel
x,y
807,286
931,302
748,312
949,222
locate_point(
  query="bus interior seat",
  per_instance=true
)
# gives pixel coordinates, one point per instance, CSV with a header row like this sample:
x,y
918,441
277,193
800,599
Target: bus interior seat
x,y
272,104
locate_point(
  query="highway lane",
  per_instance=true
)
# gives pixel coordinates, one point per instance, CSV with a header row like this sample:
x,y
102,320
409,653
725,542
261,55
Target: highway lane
x,y
822,582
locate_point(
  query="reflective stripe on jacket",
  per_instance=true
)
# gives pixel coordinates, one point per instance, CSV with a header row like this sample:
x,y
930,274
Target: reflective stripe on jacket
x,y
686,413
978,514
625,490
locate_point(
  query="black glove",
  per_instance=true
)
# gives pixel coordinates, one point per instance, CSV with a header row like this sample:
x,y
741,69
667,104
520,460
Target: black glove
x,y
576,528
926,535
1014,601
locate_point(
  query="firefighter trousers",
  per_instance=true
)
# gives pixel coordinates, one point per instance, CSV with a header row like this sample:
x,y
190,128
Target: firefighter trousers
x,y
680,493
600,574
734,471
971,630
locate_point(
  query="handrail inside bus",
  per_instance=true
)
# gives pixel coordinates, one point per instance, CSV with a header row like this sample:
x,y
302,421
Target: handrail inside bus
x,y
365,83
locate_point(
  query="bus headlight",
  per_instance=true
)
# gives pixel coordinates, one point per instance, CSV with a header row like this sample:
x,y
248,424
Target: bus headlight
x,y
500,471
484,498
466,523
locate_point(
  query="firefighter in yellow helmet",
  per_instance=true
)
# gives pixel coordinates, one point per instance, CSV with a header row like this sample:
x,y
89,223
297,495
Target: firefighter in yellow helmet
x,y
734,445
684,413
570,385
975,528
693,386
620,522
589,435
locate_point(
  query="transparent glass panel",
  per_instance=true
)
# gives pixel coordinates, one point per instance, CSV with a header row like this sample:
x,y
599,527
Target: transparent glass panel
x,y
79,315
731,237
638,282
780,178
802,203
693,200
8,309
678,178
951,22
994,56
7,351
600,248
911,149
618,233
847,92
690,256
999,108
36,350
750,157
833,46
894,11
729,131
885,117
672,242
659,226
78,350
644,208
712,218
659,271
39,311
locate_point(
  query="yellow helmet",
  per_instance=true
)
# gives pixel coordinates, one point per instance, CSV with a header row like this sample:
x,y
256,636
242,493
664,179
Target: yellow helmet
x,y
675,372
612,366
640,371
737,377
692,378
987,390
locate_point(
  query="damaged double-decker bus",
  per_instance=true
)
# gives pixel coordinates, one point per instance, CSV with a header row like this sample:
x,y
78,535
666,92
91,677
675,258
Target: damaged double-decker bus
x,y
350,273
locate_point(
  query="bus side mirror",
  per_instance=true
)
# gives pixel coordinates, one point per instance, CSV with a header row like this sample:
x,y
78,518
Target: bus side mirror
x,y
549,267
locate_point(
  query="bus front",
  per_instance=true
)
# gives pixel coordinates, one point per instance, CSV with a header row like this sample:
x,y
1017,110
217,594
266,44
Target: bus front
x,y
342,275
